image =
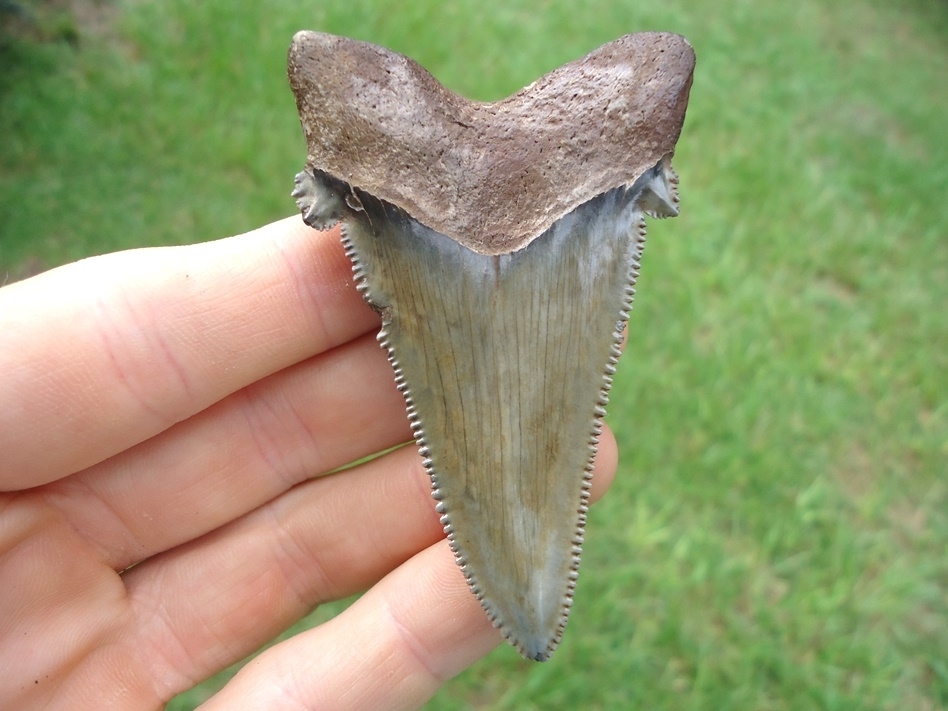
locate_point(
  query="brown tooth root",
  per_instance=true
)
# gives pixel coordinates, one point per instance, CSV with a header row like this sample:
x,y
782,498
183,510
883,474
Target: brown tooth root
x,y
500,243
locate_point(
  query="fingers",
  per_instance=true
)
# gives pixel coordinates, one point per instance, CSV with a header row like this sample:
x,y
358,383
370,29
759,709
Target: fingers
x,y
231,591
211,602
391,650
55,602
249,448
104,353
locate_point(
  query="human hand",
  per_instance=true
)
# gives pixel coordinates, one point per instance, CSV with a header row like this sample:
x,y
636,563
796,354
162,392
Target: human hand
x,y
163,414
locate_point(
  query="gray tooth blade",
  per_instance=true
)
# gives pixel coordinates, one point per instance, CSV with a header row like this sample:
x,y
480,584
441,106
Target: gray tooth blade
x,y
505,363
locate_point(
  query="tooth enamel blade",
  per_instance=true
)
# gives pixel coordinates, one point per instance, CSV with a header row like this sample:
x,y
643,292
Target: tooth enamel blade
x,y
505,363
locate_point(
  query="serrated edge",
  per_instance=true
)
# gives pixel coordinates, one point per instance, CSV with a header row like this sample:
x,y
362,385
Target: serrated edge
x,y
362,285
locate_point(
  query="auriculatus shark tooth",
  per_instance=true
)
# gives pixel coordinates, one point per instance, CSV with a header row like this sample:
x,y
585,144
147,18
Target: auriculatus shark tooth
x,y
500,243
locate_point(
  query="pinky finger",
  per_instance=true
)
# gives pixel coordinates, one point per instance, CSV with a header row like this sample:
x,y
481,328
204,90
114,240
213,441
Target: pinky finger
x,y
393,649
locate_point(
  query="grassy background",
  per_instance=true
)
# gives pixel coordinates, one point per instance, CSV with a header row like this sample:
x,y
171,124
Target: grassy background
x,y
778,533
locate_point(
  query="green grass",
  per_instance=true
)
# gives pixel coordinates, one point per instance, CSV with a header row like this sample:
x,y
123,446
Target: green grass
x,y
778,535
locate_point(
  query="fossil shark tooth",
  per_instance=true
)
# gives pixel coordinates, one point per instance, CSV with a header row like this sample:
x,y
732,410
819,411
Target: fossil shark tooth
x,y
500,243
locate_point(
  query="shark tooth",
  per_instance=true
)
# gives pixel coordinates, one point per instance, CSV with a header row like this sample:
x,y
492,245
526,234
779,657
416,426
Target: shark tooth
x,y
500,243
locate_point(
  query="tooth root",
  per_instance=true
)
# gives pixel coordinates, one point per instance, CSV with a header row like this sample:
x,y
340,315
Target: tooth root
x,y
491,176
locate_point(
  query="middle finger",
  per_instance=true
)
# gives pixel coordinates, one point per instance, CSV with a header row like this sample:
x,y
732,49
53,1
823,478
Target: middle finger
x,y
236,455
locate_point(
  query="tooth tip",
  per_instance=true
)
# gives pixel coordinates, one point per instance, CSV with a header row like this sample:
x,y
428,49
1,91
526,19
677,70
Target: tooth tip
x,y
532,628
537,648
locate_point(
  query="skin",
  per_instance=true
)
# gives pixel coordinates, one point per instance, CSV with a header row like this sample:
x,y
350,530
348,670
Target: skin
x,y
174,409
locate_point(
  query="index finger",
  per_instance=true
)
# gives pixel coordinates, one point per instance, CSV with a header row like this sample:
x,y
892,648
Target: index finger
x,y
104,353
